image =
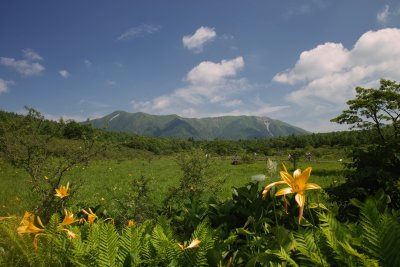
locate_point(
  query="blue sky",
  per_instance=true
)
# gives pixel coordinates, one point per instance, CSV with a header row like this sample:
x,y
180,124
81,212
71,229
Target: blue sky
x,y
297,61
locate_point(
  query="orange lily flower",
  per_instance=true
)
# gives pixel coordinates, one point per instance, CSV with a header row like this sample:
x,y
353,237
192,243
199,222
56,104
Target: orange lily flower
x,y
68,218
91,216
297,184
194,244
28,224
62,191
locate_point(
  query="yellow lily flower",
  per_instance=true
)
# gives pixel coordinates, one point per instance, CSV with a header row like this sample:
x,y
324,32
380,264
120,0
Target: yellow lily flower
x,y
70,234
297,184
62,191
91,216
68,218
131,223
28,224
194,244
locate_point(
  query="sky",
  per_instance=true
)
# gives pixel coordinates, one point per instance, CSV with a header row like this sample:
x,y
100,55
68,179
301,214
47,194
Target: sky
x,y
297,61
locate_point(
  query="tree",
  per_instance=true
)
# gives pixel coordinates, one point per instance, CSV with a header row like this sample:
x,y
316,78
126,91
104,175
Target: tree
x,y
31,143
377,109
374,166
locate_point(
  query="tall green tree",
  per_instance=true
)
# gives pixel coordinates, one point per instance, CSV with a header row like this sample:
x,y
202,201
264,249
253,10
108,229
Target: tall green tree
x,y
377,109
374,166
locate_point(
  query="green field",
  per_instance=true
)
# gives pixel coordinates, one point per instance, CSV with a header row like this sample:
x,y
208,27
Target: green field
x,y
105,180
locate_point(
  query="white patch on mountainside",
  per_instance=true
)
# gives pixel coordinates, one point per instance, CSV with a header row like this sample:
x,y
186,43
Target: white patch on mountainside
x,y
115,116
266,122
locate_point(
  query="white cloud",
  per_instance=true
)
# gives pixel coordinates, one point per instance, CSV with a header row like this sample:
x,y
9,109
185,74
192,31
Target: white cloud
x,y
4,85
26,66
32,55
139,31
383,16
64,73
208,72
196,41
208,83
213,89
327,75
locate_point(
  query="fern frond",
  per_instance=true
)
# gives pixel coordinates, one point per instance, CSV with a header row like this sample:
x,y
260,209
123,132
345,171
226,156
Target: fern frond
x,y
306,244
108,245
284,256
164,243
370,224
335,234
362,259
389,235
197,256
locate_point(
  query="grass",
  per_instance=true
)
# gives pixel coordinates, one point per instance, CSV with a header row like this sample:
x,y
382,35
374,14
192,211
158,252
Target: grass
x,y
103,180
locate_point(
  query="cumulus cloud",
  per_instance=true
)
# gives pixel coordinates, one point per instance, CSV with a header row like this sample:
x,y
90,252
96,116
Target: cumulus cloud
x,y
27,66
196,41
64,73
208,72
213,89
327,74
4,85
139,31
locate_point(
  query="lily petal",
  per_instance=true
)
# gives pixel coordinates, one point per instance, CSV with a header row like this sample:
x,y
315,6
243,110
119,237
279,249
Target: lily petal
x,y
300,199
303,178
311,186
284,191
268,187
286,177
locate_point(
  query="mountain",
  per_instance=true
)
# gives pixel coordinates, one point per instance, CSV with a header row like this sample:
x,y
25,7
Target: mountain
x,y
226,127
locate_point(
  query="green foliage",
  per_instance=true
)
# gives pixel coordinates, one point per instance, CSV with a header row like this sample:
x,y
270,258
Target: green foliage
x,y
30,142
375,166
196,172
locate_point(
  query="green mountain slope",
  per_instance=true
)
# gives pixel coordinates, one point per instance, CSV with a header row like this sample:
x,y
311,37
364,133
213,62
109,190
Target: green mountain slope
x,y
226,127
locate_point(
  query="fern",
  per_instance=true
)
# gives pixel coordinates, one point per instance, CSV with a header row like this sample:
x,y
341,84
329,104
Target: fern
x,y
306,244
132,244
284,256
390,240
164,243
197,256
108,246
381,231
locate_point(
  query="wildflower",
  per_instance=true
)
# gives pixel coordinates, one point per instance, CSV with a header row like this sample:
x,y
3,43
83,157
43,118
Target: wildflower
x,y
194,244
297,184
46,178
69,233
131,223
68,218
91,215
62,191
28,224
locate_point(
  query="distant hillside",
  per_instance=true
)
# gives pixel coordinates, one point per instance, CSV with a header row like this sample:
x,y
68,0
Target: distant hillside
x,y
226,127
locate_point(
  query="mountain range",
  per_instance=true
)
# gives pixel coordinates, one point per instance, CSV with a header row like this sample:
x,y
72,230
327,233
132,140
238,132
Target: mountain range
x,y
224,127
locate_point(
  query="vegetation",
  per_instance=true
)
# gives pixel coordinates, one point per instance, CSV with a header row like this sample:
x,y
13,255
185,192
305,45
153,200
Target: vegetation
x,y
95,198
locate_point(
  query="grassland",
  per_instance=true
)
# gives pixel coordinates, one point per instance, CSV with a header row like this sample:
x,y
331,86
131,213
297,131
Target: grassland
x,y
105,180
